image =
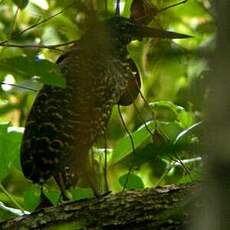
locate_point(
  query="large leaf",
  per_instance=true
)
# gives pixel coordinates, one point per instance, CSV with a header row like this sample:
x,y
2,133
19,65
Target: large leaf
x,y
165,109
184,134
169,130
131,181
124,147
10,140
177,139
27,67
168,111
31,197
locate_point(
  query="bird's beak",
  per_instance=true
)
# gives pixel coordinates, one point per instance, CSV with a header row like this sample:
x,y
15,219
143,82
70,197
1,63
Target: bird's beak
x,y
148,32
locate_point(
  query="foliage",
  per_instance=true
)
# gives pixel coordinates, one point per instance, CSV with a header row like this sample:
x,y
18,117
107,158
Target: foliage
x,y
164,139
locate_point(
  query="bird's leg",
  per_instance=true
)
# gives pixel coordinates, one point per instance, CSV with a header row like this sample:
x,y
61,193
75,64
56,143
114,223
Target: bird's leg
x,y
44,201
60,182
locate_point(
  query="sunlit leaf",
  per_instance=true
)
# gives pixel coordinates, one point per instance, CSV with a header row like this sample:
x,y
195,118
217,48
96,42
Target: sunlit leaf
x,y
164,109
124,146
131,181
31,197
186,132
169,130
185,118
10,141
168,111
27,67
53,196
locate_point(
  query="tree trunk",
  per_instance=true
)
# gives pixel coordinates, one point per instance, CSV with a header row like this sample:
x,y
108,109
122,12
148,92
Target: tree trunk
x,y
160,208
216,212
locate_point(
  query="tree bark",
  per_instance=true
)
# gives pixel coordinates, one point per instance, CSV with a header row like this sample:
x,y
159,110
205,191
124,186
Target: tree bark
x,y
160,208
216,188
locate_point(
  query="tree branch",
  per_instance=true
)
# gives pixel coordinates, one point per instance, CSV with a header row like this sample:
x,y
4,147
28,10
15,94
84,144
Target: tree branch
x,y
161,208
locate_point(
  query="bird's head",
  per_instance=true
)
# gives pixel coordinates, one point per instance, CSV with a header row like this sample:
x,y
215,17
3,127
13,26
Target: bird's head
x,y
125,30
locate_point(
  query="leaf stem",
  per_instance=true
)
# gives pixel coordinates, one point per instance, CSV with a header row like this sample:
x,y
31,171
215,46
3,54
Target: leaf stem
x,y
11,198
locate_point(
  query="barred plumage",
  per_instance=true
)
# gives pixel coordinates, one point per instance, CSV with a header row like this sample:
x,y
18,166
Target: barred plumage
x,y
63,124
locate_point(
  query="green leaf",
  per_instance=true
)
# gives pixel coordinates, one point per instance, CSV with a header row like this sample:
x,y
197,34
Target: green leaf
x,y
169,130
164,109
168,111
52,196
21,3
31,196
132,182
10,140
124,146
185,118
81,193
182,135
27,67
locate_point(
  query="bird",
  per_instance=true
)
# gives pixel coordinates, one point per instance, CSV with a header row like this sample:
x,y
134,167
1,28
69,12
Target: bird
x,y
64,123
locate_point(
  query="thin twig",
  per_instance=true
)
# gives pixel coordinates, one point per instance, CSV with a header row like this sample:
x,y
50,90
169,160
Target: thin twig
x,y
166,171
150,109
147,105
160,10
105,166
133,147
19,86
36,46
180,162
171,6
38,23
142,119
184,167
11,198
154,117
